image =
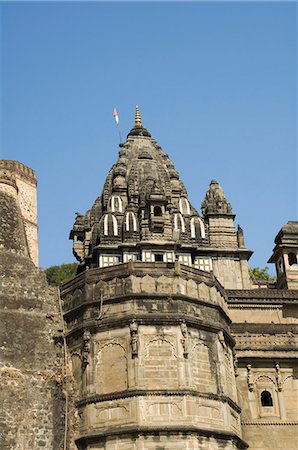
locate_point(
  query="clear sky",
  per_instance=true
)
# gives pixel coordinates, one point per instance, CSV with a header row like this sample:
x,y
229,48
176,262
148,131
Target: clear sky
x,y
216,84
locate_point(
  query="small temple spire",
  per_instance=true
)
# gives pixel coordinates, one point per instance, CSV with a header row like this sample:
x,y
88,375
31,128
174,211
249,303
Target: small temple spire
x,y
138,129
138,120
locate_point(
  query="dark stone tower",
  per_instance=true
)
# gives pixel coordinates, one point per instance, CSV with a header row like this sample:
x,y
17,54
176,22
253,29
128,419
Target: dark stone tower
x,y
147,321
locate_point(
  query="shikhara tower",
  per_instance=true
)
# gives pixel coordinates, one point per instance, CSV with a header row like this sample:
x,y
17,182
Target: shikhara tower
x,y
148,324
144,214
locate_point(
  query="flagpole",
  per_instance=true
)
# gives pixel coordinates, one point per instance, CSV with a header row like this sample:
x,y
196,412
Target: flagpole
x,y
115,114
119,131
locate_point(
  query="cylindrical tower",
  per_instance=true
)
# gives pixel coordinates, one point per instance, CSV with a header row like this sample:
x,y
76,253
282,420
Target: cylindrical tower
x,y
152,359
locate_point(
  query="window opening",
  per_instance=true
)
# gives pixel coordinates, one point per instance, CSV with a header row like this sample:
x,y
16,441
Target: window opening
x,y
266,399
292,259
280,265
158,257
157,211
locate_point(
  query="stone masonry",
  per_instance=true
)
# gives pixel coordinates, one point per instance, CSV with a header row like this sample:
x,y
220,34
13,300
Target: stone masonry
x,y
31,396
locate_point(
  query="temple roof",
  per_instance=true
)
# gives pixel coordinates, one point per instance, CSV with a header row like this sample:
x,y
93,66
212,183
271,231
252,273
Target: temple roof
x,y
143,177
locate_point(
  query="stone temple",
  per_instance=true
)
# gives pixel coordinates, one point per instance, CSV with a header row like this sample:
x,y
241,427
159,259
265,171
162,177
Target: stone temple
x,y
165,343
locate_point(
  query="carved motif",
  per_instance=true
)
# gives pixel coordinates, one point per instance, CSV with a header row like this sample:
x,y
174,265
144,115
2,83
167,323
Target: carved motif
x,y
86,349
185,339
250,382
134,338
278,377
235,363
221,338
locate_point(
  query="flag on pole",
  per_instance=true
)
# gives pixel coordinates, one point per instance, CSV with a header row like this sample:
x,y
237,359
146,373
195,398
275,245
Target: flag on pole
x,y
115,114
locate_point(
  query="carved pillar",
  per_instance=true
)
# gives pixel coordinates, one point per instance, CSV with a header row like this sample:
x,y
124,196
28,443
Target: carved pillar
x,y
185,339
281,405
134,345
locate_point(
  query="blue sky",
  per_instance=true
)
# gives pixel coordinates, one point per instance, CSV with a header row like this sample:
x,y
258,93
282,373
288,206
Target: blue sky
x,y
215,82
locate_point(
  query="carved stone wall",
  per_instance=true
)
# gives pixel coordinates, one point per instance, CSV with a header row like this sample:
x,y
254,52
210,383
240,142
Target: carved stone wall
x,y
162,441
266,333
151,350
275,424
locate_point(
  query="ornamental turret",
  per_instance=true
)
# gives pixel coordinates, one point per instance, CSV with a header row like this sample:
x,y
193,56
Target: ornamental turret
x,y
229,255
285,256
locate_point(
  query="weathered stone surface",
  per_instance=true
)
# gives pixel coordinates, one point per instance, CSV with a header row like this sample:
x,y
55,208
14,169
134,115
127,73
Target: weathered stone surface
x,y
31,398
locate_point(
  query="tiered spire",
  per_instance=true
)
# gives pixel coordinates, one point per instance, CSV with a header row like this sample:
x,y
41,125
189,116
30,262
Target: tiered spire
x,y
138,120
138,128
215,201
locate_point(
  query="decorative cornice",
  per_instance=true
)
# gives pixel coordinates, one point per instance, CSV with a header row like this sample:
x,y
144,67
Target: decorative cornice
x,y
256,423
147,319
96,398
249,305
140,269
146,296
139,430
264,328
264,294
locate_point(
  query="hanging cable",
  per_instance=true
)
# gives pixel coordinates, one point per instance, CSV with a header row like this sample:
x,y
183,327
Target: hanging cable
x,y
66,366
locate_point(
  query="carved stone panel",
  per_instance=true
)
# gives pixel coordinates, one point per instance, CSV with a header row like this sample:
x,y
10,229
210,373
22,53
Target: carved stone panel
x,y
202,376
111,368
160,363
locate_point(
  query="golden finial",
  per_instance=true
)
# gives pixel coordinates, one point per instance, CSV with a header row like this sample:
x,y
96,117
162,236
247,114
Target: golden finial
x,y
138,120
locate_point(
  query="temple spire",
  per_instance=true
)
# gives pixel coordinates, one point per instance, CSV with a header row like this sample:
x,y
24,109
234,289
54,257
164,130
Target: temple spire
x,y
138,120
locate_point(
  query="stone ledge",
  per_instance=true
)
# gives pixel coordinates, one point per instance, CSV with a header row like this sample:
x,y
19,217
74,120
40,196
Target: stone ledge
x,y
264,328
148,319
138,268
136,431
255,295
144,296
285,424
159,392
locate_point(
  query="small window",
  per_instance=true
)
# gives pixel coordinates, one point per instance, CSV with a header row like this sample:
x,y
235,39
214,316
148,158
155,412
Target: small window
x,y
203,264
179,223
115,203
266,399
280,265
147,257
158,257
292,259
157,211
185,259
184,206
108,260
110,225
130,222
